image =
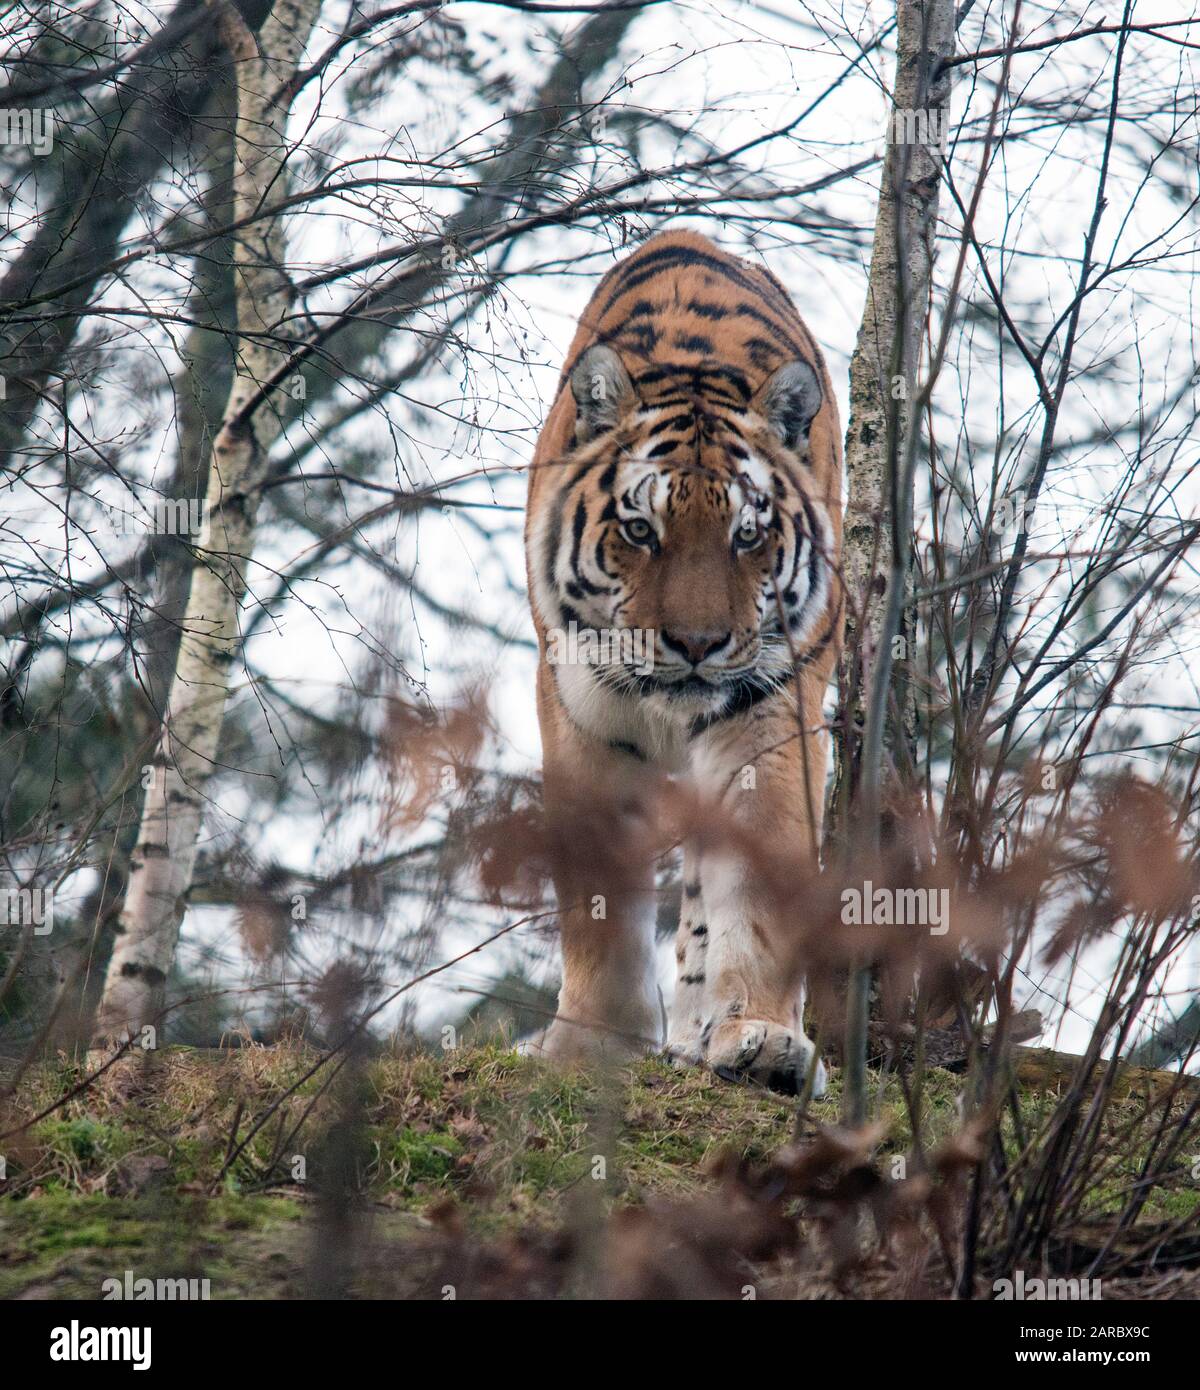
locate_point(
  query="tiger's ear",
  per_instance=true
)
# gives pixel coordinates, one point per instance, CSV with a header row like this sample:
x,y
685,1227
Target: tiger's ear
x,y
602,388
788,401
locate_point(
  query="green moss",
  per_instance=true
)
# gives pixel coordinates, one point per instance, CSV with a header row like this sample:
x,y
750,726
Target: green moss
x,y
415,1158
1174,1206
82,1139
71,1243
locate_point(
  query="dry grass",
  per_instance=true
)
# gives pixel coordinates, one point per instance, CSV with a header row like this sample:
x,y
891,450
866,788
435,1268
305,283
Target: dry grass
x,y
479,1150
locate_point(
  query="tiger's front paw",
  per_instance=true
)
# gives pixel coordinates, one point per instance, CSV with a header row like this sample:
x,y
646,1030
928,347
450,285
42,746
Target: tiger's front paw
x,y
775,1056
684,1052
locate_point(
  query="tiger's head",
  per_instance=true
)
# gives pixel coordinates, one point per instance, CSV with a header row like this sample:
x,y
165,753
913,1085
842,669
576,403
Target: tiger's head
x,y
684,515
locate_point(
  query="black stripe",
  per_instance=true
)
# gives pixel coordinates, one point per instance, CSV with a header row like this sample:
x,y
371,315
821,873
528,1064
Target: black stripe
x,y
814,543
577,525
619,745
763,354
778,331
797,537
640,268
553,540
707,311
675,422
694,342
603,568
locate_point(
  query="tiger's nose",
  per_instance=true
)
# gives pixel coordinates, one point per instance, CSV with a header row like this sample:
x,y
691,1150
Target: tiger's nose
x,y
694,645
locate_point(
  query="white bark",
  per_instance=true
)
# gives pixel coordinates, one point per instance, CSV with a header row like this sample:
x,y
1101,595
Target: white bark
x,y
164,858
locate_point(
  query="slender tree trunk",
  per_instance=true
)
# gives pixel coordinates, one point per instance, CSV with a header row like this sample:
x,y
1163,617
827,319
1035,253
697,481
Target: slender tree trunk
x,y
162,865
531,162
200,390
876,707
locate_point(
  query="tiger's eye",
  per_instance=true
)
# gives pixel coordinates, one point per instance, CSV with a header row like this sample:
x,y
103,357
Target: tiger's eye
x,y
638,531
747,533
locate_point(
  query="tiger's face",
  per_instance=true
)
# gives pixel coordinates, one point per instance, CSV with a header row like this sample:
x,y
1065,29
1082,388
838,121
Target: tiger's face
x,y
684,520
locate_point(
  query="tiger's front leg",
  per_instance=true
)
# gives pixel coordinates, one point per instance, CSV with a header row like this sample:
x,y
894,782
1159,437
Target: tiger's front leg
x,y
748,994
688,1007
597,808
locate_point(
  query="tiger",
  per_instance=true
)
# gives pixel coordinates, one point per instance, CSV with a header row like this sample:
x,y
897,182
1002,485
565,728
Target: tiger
x,y
685,494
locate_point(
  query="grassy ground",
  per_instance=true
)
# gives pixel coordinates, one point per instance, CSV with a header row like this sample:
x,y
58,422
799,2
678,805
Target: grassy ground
x,y
166,1166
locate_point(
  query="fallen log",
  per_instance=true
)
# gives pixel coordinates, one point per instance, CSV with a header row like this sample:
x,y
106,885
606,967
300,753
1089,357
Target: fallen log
x,y
1041,1068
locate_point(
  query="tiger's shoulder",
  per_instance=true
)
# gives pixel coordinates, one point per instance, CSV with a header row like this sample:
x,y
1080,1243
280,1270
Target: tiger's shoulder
x,y
680,303
679,299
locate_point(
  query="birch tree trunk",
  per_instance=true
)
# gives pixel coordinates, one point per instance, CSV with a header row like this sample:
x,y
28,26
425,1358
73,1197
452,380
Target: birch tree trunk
x,y
880,462
164,858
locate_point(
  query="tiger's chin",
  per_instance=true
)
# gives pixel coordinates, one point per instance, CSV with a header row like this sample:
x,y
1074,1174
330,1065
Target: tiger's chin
x,y
697,698
687,699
